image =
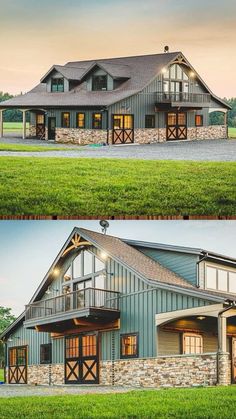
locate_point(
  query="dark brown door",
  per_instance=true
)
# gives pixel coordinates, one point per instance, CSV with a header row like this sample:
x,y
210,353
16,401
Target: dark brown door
x,y
18,365
52,128
176,126
123,129
234,360
40,126
81,359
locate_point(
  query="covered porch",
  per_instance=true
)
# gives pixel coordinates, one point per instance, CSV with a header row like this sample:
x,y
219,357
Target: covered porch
x,y
37,124
201,330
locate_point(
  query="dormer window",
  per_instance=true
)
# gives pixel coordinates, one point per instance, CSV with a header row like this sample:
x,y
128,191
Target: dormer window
x,y
99,83
57,85
220,279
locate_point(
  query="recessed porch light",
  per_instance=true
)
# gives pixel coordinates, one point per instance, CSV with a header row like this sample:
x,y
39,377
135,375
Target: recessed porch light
x,y
201,317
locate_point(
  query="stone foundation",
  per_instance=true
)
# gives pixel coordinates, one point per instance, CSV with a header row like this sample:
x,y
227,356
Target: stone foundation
x,y
141,135
32,131
46,374
212,132
81,136
169,371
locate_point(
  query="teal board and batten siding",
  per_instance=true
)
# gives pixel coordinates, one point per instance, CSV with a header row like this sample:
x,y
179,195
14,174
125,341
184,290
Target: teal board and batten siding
x,y
33,340
88,117
183,264
139,303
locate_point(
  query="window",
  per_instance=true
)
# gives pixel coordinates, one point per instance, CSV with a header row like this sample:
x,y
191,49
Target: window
x,y
65,120
129,345
57,85
46,353
72,347
211,277
88,262
77,266
97,121
150,121
99,83
198,120
192,343
220,279
232,282
80,120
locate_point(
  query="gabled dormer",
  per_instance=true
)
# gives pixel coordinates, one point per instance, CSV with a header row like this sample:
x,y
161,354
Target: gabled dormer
x,y
106,76
60,79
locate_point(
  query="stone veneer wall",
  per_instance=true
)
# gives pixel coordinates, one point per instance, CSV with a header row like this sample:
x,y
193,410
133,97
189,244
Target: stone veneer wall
x,y
44,374
141,135
212,132
81,136
169,371
32,130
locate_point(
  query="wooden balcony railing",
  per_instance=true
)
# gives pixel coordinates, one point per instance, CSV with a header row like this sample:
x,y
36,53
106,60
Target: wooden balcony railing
x,y
183,97
74,301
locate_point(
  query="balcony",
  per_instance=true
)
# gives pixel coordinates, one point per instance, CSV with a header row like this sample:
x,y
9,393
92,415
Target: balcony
x,y
79,308
198,100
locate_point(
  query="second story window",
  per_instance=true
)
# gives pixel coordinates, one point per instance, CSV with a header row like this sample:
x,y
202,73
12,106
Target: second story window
x,y
97,121
220,279
99,83
57,85
65,120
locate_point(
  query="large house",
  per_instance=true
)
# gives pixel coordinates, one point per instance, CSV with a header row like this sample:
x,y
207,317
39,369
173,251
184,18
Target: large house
x,y
140,99
112,311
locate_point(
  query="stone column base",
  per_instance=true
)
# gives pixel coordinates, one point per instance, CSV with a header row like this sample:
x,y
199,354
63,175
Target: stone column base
x,y
224,369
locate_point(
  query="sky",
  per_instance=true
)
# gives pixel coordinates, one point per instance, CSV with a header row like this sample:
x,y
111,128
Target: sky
x,y
34,35
28,248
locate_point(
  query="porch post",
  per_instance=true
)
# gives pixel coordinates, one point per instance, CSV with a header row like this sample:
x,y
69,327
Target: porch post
x,y
24,124
1,123
222,355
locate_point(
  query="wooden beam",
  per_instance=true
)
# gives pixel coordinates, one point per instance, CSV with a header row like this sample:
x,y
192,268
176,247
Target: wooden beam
x,y
115,325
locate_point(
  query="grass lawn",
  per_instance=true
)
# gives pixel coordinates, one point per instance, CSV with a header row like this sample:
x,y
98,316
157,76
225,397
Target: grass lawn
x,y
34,148
1,375
14,126
97,187
210,403
232,132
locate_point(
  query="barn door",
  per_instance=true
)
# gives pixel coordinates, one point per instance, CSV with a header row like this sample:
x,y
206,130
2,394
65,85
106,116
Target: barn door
x,y
18,365
176,126
123,129
40,126
81,359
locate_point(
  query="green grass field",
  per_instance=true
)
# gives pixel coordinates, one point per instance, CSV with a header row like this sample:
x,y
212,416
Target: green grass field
x,y
97,187
34,148
13,126
209,403
1,375
232,132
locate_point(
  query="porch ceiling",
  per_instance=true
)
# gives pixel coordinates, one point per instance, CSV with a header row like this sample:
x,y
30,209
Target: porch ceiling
x,y
210,310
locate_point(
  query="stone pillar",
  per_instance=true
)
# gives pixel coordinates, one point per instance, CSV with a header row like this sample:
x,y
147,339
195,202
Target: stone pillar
x,y
1,123
222,355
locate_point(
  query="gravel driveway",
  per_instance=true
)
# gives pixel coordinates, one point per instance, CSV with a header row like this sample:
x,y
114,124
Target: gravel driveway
x,y
207,150
26,391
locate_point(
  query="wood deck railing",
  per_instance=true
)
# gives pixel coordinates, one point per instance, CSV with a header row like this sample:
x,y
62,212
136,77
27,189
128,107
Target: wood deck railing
x,y
163,97
73,301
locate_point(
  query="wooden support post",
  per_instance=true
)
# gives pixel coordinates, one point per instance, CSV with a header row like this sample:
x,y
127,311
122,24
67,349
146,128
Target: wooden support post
x,y
24,124
1,123
222,335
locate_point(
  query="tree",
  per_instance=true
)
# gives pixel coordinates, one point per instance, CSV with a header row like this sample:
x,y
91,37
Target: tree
x,y
6,318
10,115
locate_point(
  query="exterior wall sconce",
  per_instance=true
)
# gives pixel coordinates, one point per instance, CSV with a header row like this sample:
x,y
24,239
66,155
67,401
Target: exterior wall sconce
x,y
50,290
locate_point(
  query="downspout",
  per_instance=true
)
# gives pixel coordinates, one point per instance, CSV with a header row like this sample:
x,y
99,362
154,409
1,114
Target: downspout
x,y
200,260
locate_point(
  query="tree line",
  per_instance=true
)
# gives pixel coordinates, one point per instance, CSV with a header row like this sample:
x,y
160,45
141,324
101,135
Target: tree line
x,y
6,318
216,118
